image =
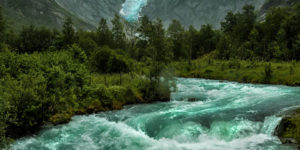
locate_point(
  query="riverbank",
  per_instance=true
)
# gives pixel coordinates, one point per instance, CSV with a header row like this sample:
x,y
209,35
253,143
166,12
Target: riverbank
x,y
106,93
39,88
243,71
225,115
254,72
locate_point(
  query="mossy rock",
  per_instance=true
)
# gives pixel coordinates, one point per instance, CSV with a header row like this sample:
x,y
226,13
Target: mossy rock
x,y
60,118
289,129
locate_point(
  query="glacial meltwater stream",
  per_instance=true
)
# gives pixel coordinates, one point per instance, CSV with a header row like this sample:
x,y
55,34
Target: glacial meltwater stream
x,y
225,115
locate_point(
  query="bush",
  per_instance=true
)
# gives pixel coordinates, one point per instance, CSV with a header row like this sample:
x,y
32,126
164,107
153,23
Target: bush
x,y
34,87
60,118
268,73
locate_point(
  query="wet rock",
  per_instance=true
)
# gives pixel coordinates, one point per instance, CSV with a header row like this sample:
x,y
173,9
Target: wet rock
x,y
289,127
289,141
192,99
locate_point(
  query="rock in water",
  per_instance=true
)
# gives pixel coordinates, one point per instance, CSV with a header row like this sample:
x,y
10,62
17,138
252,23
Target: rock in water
x,y
288,129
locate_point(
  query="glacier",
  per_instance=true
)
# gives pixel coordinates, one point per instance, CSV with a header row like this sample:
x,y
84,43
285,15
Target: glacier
x,y
131,9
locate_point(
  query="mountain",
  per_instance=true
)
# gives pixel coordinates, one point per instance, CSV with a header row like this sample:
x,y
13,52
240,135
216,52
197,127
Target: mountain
x,y
39,12
195,12
276,3
92,11
87,13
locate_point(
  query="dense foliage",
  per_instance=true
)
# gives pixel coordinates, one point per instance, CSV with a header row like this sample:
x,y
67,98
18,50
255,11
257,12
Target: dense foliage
x,y
49,75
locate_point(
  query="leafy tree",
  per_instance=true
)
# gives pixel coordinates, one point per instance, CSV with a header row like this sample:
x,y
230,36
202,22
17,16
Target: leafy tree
x,y
78,54
86,40
118,64
119,37
100,59
68,31
268,73
145,28
159,49
191,42
2,26
207,40
144,34
33,39
103,34
176,34
224,48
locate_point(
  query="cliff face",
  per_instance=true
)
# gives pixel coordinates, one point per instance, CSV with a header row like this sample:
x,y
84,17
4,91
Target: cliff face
x,y
275,3
92,11
39,12
87,13
195,12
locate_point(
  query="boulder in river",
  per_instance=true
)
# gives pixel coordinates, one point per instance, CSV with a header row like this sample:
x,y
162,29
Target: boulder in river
x,y
288,130
192,99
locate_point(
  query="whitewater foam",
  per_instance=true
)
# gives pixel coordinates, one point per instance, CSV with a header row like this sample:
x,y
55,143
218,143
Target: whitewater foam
x,y
226,116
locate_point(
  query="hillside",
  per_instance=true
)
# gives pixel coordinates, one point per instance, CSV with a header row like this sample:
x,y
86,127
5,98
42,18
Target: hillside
x,y
39,12
86,14
92,11
276,3
195,12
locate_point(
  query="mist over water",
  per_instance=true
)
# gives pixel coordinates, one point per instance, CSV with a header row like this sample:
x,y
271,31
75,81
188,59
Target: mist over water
x,y
225,115
131,9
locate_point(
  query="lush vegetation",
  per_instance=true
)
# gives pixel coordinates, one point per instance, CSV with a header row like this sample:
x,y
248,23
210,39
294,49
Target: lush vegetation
x,y
48,75
244,71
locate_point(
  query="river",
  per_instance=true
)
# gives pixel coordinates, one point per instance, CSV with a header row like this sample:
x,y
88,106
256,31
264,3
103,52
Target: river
x,y
225,115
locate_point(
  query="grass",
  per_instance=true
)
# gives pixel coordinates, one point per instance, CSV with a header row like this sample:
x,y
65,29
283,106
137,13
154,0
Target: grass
x,y
244,71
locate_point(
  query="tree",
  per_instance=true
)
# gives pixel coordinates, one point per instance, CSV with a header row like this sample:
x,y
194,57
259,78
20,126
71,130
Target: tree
x,y
68,32
33,39
292,30
190,42
206,39
86,40
223,47
159,48
119,37
100,59
103,34
145,28
176,34
144,33
238,26
118,64
2,26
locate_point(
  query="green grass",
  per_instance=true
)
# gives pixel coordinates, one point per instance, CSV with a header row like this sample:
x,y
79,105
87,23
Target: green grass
x,y
287,73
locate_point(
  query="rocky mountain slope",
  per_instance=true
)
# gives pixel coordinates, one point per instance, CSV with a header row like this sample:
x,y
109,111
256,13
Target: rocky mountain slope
x,y
276,3
195,12
87,13
39,12
92,11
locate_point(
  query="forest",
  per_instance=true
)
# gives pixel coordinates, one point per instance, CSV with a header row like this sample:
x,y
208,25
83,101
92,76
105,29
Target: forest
x,y
49,75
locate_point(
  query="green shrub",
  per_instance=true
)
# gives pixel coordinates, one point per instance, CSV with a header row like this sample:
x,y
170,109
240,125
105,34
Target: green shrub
x,y
268,73
60,118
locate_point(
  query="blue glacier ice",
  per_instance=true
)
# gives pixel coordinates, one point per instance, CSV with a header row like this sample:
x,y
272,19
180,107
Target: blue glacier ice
x,y
131,9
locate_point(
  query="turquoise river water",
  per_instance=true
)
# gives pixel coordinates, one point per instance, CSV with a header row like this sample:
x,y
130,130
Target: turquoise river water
x,y
225,115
